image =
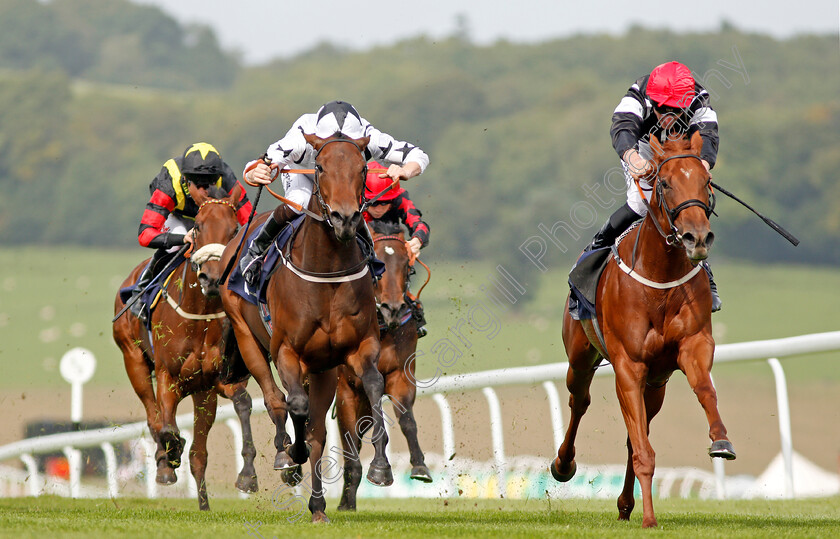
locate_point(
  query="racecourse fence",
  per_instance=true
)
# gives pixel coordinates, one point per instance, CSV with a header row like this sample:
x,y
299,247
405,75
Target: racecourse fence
x,y
508,476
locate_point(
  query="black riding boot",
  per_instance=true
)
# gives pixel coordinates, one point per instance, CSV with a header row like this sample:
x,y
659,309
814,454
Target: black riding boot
x,y
716,302
417,313
612,229
251,262
157,263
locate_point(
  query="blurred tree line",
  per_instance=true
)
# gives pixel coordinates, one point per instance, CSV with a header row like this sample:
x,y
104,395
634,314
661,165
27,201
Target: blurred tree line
x,y
96,94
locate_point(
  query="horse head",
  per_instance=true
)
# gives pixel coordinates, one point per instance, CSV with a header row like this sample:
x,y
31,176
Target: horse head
x,y
340,170
215,226
390,247
683,200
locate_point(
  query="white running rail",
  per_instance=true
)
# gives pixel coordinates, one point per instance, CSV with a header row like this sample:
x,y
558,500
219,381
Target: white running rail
x,y
544,375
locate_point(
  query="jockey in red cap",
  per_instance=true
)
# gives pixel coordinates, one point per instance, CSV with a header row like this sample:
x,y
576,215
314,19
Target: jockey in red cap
x,y
393,207
668,100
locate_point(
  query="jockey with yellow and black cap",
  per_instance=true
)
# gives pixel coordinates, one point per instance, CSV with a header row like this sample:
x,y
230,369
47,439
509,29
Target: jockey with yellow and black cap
x,y
169,217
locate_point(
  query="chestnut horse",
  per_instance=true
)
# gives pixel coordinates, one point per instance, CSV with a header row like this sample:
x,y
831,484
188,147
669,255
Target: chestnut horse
x,y
398,330
655,313
323,314
185,350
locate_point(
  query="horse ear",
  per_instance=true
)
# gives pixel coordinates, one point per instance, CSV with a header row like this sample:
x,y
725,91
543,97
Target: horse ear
x,y
657,149
314,141
696,143
362,142
196,194
235,194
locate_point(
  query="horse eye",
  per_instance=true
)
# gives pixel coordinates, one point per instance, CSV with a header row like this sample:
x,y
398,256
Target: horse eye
x,y
319,168
664,184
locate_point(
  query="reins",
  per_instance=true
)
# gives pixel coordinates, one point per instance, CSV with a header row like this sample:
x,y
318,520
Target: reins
x,y
412,258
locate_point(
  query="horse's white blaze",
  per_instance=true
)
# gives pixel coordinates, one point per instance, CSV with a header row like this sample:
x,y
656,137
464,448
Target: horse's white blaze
x,y
389,250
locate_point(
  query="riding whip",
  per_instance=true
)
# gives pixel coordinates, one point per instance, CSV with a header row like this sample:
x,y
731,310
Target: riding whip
x,y
136,297
771,223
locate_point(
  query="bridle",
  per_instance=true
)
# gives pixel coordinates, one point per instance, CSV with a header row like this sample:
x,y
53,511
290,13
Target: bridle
x,y
325,208
211,251
673,238
409,272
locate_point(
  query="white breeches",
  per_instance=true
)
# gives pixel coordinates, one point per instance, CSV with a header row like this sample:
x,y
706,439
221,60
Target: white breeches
x,y
177,225
298,187
634,198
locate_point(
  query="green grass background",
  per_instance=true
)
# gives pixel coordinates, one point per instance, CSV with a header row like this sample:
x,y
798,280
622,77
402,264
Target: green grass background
x,y
54,299
52,517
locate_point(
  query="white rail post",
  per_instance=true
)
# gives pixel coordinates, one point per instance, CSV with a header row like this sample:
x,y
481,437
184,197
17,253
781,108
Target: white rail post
x,y
186,472
556,413
784,423
34,477
497,430
110,468
236,431
448,439
74,459
149,448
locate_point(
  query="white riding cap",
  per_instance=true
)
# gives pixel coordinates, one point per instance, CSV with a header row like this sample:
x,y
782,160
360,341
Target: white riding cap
x,y
339,117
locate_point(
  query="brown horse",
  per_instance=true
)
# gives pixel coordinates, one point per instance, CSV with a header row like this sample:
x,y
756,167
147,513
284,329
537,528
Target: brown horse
x,y
185,350
323,313
651,329
399,342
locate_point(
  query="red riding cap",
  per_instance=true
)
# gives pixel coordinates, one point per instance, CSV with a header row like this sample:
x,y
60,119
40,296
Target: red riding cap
x,y
671,85
374,185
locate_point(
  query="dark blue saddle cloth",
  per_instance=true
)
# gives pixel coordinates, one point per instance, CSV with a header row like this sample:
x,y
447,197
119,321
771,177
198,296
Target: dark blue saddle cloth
x,y
583,282
237,283
154,287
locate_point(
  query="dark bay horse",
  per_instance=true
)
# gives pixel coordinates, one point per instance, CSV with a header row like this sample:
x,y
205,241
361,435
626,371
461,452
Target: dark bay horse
x,y
651,328
185,350
323,314
399,342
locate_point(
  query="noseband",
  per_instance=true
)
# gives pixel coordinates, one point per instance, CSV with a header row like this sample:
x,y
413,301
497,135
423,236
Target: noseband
x,y
674,237
325,208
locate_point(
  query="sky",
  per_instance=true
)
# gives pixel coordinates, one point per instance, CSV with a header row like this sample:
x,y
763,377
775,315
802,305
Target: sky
x,y
262,30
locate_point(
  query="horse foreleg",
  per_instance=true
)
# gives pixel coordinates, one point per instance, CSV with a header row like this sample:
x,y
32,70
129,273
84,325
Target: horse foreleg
x,y
403,393
170,443
363,364
321,393
582,357
246,481
139,373
297,402
695,360
204,414
654,396
629,379
350,406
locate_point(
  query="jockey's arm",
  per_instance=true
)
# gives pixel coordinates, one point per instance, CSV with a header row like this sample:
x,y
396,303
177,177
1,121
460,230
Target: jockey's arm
x,y
404,172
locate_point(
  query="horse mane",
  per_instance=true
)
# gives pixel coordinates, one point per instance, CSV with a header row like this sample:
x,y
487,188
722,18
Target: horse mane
x,y
386,228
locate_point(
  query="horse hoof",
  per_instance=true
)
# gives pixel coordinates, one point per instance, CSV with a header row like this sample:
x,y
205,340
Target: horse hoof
x,y
246,483
380,476
283,461
421,473
297,458
292,476
166,476
722,449
320,518
346,507
558,475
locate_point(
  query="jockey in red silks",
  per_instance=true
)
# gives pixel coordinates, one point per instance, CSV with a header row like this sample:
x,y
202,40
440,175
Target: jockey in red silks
x,y
666,101
390,210
169,216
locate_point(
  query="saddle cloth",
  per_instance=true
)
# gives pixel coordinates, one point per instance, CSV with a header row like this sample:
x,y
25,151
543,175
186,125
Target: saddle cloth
x,y
583,282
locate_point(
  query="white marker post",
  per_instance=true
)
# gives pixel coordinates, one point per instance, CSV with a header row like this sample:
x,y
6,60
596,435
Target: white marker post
x,y
76,367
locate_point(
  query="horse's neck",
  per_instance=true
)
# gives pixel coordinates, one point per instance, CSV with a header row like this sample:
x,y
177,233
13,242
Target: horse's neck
x,y
655,259
316,249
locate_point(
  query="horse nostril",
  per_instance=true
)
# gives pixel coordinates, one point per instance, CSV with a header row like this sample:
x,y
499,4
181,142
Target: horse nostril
x,y
710,239
336,217
688,237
